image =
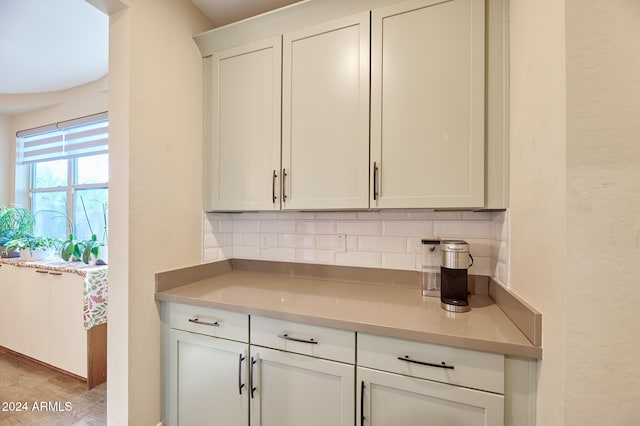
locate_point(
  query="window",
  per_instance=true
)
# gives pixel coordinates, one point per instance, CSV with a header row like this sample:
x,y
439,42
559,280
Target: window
x,y
68,167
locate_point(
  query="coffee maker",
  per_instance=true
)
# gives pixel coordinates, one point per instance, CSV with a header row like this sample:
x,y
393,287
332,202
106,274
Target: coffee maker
x,y
456,260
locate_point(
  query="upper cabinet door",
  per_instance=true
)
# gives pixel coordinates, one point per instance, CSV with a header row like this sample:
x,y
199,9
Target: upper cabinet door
x,y
325,134
242,127
427,106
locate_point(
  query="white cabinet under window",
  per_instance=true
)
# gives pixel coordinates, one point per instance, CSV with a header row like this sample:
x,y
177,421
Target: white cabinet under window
x,y
42,317
427,104
242,127
325,104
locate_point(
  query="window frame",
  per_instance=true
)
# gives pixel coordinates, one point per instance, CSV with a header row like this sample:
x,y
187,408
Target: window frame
x,y
70,188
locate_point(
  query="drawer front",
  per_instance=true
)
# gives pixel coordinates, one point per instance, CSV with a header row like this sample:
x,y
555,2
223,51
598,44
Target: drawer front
x,y
321,342
462,367
208,321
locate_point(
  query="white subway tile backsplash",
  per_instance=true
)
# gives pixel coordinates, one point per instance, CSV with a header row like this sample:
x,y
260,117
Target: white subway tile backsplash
x,y
267,240
384,239
481,266
225,252
359,258
409,228
218,240
246,226
362,227
225,225
326,242
399,261
316,226
246,239
245,252
296,241
352,242
326,257
383,244
462,229
281,254
278,226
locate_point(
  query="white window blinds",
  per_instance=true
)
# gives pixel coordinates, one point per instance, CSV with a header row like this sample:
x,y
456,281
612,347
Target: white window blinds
x,y
74,138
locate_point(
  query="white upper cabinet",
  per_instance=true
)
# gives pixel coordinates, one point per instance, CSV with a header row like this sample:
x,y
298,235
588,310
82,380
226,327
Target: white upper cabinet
x,y
325,105
427,105
242,127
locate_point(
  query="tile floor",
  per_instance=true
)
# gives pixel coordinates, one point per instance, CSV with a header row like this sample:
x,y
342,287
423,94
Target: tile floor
x,y
46,396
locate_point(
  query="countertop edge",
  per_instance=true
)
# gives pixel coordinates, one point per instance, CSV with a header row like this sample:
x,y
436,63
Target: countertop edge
x,y
509,349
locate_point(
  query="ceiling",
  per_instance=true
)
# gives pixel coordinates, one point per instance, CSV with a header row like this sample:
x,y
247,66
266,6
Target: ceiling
x,y
48,46
222,12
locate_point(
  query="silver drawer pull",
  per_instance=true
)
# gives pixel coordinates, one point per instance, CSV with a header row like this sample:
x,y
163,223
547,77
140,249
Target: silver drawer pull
x,y
428,364
198,321
295,339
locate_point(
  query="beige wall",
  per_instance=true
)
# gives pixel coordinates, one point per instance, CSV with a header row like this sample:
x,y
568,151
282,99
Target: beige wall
x,y
603,210
6,161
538,235
575,201
155,198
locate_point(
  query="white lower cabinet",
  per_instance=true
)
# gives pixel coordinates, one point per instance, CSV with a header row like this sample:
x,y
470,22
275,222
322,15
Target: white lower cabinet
x,y
294,390
208,381
389,399
224,368
404,383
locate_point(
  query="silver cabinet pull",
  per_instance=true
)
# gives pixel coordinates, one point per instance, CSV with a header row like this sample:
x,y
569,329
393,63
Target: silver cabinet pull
x,y
273,187
198,321
284,176
240,384
295,339
428,364
375,180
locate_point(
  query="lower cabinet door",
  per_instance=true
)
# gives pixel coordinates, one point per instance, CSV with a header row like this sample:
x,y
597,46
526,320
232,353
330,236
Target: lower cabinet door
x,y
388,399
208,382
295,390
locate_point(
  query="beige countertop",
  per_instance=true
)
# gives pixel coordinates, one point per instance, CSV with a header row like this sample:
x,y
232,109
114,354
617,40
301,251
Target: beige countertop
x,y
394,311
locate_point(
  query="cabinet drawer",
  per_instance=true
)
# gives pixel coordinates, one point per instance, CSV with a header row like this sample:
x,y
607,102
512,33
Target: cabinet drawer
x,y
462,367
321,342
212,322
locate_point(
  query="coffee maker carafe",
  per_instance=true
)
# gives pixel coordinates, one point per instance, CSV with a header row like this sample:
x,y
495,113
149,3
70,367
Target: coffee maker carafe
x,y
456,260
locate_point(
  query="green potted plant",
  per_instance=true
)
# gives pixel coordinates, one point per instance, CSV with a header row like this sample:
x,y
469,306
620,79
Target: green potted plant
x,y
34,248
89,251
15,223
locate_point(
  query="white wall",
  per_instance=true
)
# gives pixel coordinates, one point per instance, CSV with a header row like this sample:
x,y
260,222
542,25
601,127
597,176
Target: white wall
x,y
155,201
603,212
538,236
